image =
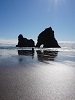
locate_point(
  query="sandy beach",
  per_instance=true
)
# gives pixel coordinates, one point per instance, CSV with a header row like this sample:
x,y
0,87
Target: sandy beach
x,y
37,49
37,82
39,76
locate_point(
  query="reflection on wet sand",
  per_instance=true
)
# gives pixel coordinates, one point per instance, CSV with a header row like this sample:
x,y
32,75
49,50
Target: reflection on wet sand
x,y
26,52
42,56
46,55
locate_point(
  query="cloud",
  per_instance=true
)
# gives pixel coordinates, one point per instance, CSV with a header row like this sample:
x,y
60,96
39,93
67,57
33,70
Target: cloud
x,y
8,41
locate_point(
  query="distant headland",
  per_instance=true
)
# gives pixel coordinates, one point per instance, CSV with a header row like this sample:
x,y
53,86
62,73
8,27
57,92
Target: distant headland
x,y
45,38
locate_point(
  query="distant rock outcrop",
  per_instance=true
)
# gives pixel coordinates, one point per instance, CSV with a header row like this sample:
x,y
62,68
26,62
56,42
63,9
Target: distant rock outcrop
x,y
47,39
24,42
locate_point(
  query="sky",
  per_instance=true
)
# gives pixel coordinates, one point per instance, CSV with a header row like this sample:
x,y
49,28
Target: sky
x,y
31,17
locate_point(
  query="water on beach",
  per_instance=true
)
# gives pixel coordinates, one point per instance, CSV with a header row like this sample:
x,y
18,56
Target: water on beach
x,y
42,74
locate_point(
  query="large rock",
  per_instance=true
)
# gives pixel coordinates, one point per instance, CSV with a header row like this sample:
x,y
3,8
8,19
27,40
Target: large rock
x,y
24,42
47,39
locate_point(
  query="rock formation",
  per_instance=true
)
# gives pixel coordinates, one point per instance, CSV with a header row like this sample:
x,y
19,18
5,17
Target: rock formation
x,y
24,42
47,39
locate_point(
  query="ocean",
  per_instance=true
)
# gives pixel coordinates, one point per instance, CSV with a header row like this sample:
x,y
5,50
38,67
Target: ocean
x,y
65,54
42,74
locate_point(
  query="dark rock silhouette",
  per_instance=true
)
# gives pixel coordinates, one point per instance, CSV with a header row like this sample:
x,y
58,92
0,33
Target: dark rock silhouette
x,y
47,39
24,42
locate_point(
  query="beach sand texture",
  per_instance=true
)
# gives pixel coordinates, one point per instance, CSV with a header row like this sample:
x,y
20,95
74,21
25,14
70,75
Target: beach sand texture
x,y
39,76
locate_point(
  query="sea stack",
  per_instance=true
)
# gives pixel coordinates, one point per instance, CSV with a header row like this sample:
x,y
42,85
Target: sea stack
x,y
47,39
24,42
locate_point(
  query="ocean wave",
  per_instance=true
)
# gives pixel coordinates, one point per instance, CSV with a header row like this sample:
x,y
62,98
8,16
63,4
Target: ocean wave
x,y
65,47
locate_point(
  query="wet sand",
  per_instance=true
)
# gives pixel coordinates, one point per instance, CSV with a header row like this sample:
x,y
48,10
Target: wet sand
x,y
40,81
46,75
